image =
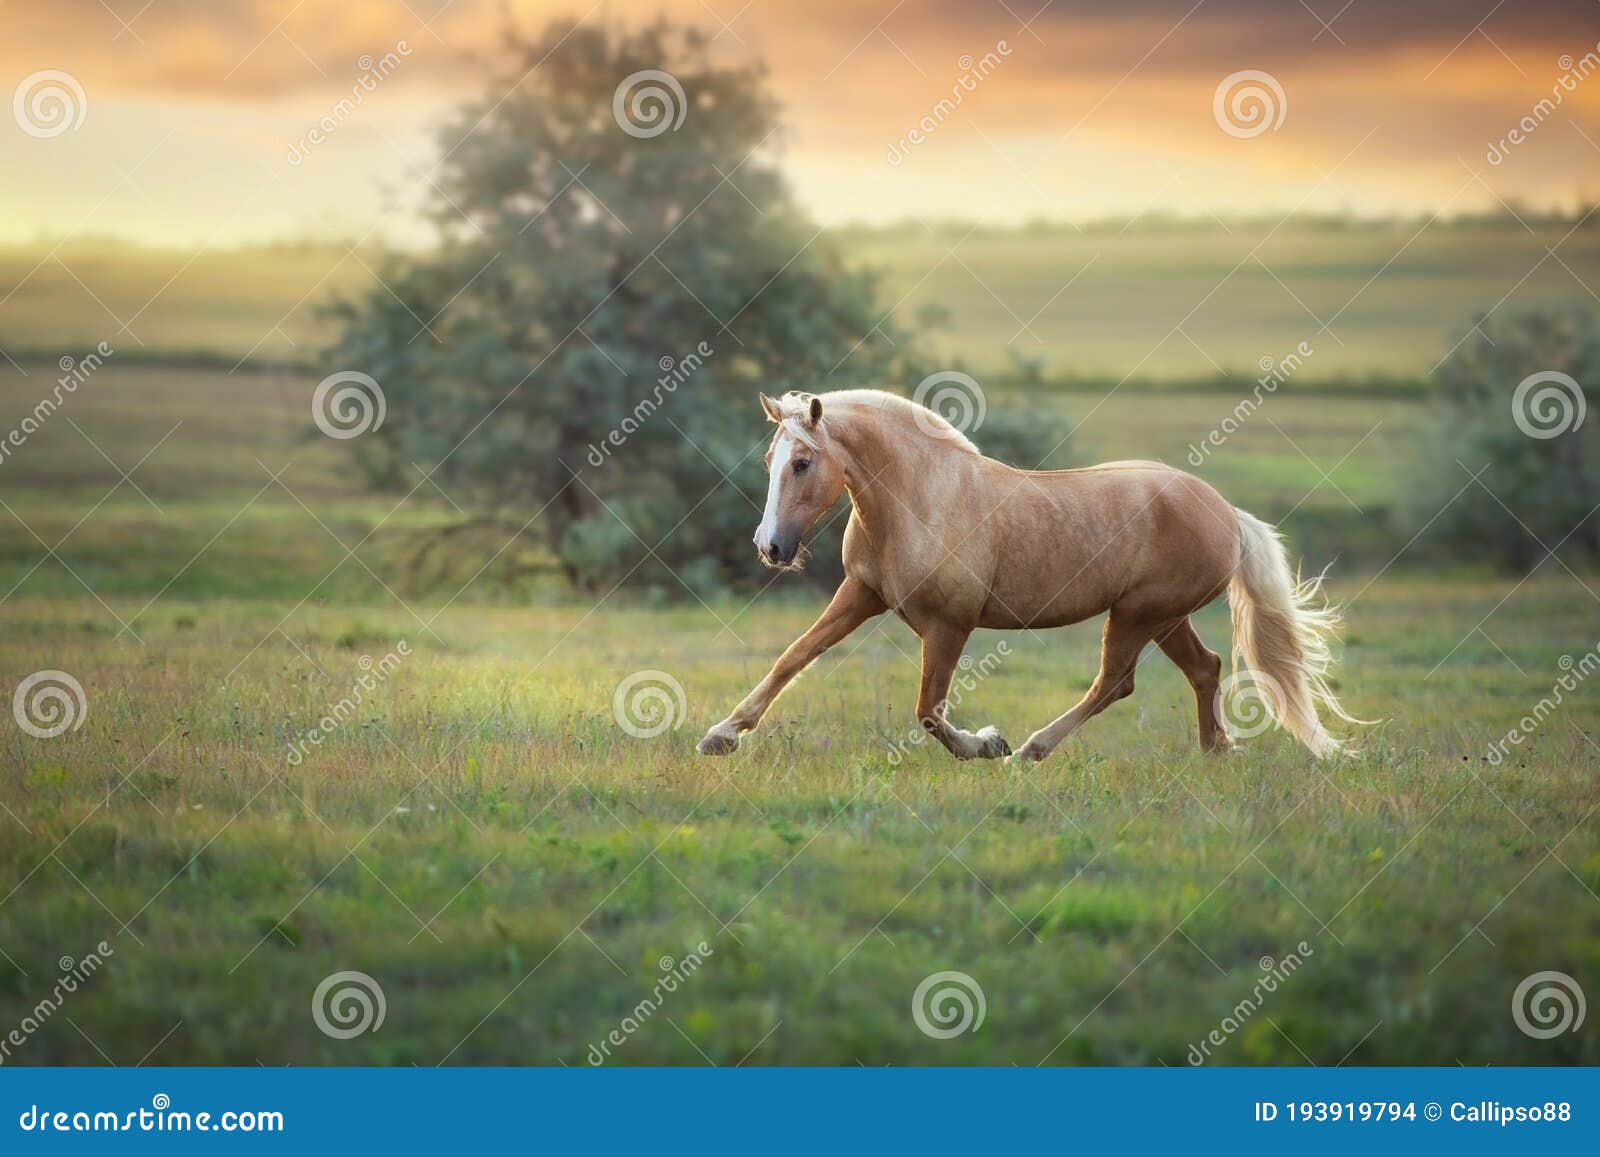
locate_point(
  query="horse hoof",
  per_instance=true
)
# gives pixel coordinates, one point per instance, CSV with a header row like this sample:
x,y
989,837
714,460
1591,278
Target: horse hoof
x,y
718,743
994,744
1026,754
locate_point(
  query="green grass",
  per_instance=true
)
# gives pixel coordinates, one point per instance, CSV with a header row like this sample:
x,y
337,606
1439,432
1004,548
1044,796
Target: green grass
x,y
510,865
487,843
231,492
1144,300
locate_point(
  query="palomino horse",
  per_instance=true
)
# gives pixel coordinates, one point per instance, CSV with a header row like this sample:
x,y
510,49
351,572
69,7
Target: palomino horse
x,y
951,541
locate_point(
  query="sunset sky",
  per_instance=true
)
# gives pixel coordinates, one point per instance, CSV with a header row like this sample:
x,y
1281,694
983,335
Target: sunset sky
x,y
192,107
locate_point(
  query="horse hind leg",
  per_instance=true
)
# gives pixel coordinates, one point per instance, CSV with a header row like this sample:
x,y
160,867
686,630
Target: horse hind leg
x,y
1119,655
1203,668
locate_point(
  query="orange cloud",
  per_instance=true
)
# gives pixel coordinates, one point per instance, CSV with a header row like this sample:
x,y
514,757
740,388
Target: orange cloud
x,y
1090,113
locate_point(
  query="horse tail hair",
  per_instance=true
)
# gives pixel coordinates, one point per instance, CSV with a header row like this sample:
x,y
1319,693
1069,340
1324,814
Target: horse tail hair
x,y
1283,631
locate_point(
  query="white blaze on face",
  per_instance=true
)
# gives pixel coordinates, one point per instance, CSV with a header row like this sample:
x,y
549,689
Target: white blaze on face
x,y
782,451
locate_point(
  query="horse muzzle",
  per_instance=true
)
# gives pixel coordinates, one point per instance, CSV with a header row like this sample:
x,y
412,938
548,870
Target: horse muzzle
x,y
780,550
780,553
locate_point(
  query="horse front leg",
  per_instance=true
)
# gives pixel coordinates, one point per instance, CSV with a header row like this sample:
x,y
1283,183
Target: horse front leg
x,y
941,651
853,604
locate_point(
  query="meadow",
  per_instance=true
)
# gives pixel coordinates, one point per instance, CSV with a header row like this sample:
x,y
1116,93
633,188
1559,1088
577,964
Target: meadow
x,y
517,871
1144,298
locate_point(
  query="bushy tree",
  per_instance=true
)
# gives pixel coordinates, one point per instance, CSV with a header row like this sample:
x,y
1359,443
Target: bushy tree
x,y
1512,397
623,268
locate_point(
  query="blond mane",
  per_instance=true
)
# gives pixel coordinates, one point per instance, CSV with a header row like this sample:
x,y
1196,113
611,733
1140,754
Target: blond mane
x,y
917,419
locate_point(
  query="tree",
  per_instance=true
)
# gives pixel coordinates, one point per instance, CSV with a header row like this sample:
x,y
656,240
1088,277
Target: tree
x,y
1511,398
622,268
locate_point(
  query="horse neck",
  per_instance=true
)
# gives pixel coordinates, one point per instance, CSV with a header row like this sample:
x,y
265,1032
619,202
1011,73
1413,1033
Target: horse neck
x,y
888,472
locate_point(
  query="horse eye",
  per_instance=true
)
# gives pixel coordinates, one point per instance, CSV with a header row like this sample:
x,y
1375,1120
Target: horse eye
x,y
802,466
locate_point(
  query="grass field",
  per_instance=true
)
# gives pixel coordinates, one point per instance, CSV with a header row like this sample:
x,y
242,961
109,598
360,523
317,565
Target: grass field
x,y
511,865
487,843
1136,298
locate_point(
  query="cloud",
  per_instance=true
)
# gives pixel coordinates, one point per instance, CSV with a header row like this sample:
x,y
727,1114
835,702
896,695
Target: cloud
x,y
256,49
1096,109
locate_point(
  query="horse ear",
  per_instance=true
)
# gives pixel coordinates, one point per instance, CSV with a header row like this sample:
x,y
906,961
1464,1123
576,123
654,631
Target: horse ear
x,y
773,409
816,409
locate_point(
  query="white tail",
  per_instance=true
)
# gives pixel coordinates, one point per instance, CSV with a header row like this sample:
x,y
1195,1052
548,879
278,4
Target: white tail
x,y
1282,632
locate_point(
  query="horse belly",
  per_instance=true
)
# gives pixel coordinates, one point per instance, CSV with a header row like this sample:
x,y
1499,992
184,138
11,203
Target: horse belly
x,y
999,618
1044,592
